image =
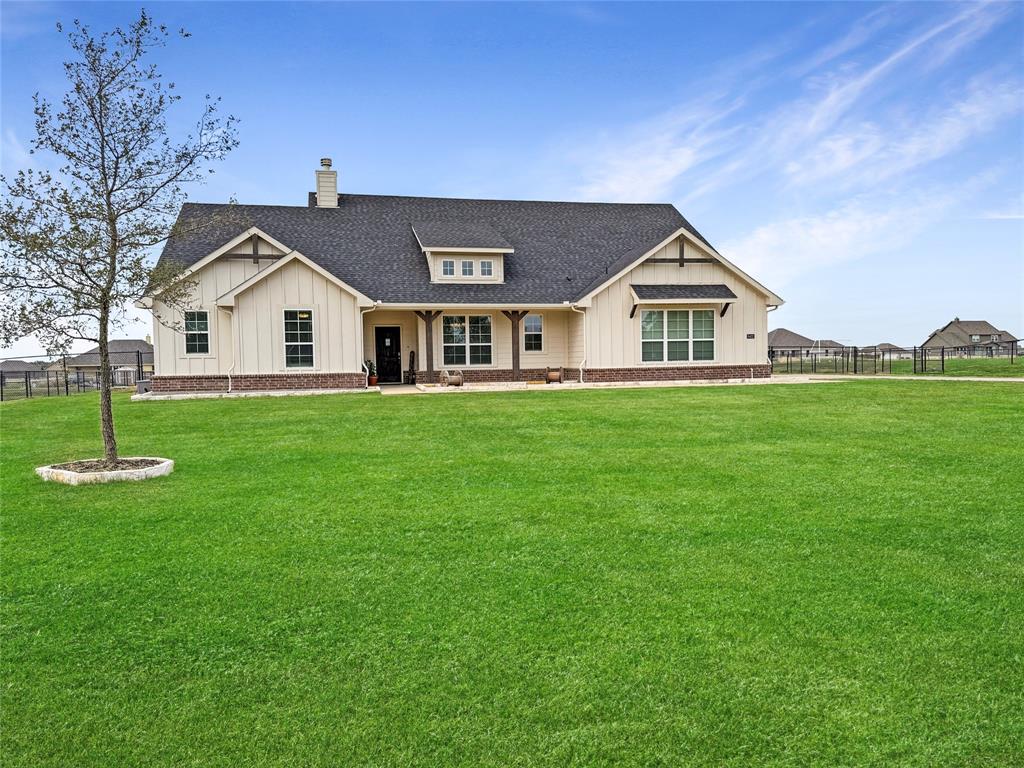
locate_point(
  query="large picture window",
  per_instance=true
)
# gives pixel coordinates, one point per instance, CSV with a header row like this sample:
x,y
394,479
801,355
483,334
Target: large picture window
x,y
677,335
466,339
533,333
197,332
298,338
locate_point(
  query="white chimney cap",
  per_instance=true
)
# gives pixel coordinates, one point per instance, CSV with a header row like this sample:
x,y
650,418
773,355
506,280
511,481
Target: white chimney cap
x,y
325,162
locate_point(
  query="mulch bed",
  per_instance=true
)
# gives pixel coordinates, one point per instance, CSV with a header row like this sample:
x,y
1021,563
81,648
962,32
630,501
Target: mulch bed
x,y
101,465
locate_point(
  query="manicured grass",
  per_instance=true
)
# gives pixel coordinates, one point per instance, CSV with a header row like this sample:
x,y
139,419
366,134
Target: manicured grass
x,y
989,367
796,575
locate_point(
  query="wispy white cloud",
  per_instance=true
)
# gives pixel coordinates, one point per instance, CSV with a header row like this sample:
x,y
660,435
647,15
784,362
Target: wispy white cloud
x,y
869,153
848,141
856,228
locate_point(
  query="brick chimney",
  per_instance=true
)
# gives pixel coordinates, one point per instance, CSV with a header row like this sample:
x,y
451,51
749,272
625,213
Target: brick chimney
x,y
326,185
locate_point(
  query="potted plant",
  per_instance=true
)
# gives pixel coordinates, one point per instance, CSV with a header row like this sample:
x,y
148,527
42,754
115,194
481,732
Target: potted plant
x,y
371,373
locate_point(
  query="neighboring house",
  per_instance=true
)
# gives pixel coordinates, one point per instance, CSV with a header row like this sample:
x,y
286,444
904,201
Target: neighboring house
x,y
124,356
892,350
972,337
292,297
786,342
20,366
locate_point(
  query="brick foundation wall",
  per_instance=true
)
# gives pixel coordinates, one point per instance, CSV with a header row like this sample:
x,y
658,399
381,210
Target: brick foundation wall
x,y
678,373
255,382
489,375
644,373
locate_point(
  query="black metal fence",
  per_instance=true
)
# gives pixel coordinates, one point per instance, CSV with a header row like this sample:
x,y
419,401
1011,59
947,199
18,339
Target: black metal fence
x,y
69,375
895,360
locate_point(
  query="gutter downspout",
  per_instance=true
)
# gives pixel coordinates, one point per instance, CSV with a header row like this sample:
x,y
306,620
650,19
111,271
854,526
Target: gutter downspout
x,y
362,342
771,308
583,362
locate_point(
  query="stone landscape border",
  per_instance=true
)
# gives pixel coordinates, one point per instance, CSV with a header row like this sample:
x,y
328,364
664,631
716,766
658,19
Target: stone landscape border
x,y
69,477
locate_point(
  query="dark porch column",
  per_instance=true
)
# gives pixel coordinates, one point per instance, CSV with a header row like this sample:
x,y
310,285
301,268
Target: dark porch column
x,y
428,317
515,316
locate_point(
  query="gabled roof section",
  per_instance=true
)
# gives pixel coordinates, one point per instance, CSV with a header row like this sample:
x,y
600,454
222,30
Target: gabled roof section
x,y
368,243
783,337
628,261
460,236
682,292
228,299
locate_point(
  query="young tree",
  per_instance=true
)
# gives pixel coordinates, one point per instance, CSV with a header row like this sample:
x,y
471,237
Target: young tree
x,y
76,244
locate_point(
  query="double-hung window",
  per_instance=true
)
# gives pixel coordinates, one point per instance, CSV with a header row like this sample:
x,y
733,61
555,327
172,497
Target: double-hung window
x,y
466,339
197,332
677,335
298,338
533,333
467,269
448,267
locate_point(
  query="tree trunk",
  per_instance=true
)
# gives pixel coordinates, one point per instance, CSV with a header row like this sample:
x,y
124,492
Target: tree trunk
x,y
106,411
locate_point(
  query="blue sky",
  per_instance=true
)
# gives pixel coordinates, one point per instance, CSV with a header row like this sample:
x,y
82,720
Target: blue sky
x,y
865,161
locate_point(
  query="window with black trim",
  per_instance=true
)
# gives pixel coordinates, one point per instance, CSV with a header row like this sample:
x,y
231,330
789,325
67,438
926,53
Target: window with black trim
x,y
533,333
677,335
466,339
298,338
197,332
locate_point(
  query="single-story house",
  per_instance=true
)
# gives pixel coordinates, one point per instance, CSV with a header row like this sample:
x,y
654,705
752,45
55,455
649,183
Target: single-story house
x,y
893,351
782,341
978,337
125,355
294,297
20,366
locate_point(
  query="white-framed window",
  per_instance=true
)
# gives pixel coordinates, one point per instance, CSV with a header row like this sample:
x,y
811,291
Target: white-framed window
x,y
975,337
995,337
486,269
466,339
467,268
676,335
197,332
298,338
533,333
448,267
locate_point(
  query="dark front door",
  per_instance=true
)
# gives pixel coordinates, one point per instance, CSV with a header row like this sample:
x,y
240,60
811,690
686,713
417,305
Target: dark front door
x,y
389,354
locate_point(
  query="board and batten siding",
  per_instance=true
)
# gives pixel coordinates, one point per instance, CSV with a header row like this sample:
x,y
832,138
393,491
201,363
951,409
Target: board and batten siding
x,y
613,337
554,354
251,337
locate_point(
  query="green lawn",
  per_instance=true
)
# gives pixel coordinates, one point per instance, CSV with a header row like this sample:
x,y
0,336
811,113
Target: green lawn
x,y
790,575
988,367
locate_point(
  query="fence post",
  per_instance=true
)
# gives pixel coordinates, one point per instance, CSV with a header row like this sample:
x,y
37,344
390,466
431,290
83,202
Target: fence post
x,y
942,359
1,386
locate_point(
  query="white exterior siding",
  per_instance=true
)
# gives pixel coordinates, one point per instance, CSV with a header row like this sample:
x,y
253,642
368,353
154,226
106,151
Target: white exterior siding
x,y
613,338
250,338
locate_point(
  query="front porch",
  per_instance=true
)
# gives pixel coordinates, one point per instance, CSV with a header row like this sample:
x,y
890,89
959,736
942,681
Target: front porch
x,y
487,345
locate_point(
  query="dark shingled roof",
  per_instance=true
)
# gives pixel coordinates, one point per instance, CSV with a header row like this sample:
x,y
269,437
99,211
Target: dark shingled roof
x,y
562,250
452,235
662,292
119,349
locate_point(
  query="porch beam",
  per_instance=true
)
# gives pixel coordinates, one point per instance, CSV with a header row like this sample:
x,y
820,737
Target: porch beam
x,y
515,316
428,317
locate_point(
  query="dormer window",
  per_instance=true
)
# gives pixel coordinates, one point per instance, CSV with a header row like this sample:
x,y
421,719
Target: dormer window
x,y
975,337
463,251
